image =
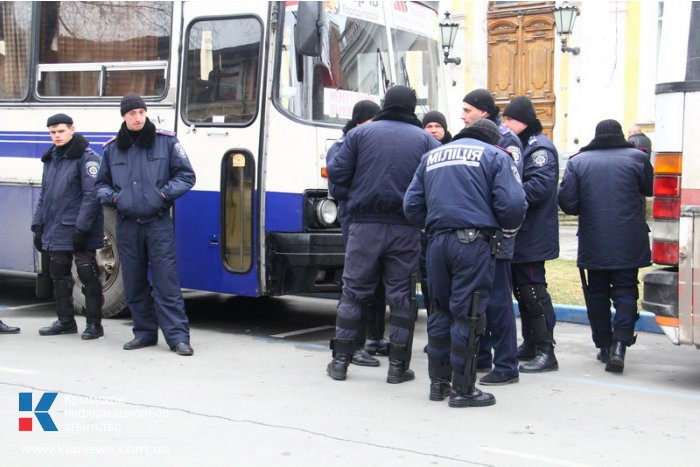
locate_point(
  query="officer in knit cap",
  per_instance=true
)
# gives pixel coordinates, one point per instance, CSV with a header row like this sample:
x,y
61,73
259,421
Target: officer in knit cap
x,y
605,184
466,193
145,235
501,332
538,239
434,122
382,245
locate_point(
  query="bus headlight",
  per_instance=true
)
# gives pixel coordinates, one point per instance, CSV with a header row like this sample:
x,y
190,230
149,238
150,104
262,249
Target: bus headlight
x,y
326,212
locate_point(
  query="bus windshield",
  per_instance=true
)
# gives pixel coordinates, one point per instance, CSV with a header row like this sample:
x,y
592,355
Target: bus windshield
x,y
354,63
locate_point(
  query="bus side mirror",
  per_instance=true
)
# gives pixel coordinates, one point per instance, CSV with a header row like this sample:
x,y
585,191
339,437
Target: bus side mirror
x,y
308,29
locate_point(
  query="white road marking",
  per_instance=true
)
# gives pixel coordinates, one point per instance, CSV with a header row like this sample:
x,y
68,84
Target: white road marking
x,y
523,455
16,370
31,305
301,331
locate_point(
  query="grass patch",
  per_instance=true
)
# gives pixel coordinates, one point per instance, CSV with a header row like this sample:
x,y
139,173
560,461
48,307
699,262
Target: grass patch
x,y
564,282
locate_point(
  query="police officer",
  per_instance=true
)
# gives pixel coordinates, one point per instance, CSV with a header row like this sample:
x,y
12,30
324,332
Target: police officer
x,y
376,163
435,123
373,341
465,193
605,184
501,331
68,224
143,172
537,240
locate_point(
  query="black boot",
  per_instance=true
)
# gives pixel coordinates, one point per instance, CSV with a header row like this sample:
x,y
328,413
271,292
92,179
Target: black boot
x,y
399,360
362,358
543,361
94,330
604,354
342,355
617,357
440,372
63,292
59,327
465,394
93,310
526,351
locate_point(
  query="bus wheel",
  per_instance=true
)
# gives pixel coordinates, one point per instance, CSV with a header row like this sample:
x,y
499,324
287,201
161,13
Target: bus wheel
x,y
110,274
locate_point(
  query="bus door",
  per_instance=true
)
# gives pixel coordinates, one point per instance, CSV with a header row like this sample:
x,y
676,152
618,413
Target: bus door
x,y
219,124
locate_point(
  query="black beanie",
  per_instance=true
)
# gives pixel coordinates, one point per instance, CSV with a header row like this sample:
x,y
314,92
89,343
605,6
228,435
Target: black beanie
x,y
483,130
364,110
400,97
522,110
361,112
59,118
131,102
608,128
482,100
435,117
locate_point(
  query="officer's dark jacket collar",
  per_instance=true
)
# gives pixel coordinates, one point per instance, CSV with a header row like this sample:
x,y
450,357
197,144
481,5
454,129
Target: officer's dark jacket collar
x,y
607,142
473,133
77,146
534,129
145,140
399,115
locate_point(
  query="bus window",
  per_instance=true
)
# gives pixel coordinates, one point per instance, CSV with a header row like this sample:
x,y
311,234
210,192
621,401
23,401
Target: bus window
x,y
15,27
353,65
237,196
221,73
93,49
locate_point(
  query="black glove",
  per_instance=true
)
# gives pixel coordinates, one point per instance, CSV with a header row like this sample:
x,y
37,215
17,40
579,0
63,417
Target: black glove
x,y
37,241
79,241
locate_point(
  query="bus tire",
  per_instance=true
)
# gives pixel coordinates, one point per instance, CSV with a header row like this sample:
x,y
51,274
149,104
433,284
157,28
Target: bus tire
x,y
43,287
110,274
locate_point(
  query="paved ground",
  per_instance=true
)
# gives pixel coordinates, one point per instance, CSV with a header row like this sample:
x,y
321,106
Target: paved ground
x,y
256,393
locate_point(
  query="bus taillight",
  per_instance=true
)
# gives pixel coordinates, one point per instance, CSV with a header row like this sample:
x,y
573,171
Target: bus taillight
x,y
664,252
666,208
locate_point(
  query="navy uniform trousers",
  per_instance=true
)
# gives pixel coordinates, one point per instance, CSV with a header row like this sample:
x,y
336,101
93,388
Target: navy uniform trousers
x,y
375,251
456,271
620,286
152,246
501,330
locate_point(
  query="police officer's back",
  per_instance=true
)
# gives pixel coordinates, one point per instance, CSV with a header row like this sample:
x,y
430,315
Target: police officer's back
x,y
464,193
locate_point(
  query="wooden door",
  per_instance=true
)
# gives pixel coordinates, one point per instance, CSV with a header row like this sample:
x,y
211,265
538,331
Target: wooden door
x,y
521,56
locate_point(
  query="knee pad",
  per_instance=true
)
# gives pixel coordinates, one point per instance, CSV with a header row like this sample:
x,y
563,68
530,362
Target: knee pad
x,y
88,273
58,269
528,294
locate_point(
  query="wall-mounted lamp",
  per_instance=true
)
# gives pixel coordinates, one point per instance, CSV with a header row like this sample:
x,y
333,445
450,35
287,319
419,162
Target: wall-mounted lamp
x,y
564,18
448,33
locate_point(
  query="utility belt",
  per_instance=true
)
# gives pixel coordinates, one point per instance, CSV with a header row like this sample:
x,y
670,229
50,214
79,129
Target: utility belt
x,y
470,235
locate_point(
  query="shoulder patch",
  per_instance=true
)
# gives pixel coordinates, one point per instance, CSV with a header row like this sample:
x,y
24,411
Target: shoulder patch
x,y
180,150
165,132
539,157
515,152
92,167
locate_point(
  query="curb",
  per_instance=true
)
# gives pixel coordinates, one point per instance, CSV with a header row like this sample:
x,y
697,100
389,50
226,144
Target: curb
x,y
578,315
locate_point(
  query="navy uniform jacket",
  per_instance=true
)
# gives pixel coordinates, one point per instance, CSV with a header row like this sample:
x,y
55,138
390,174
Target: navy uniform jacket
x,y
538,238
376,164
606,189
511,143
465,184
67,202
335,191
132,180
